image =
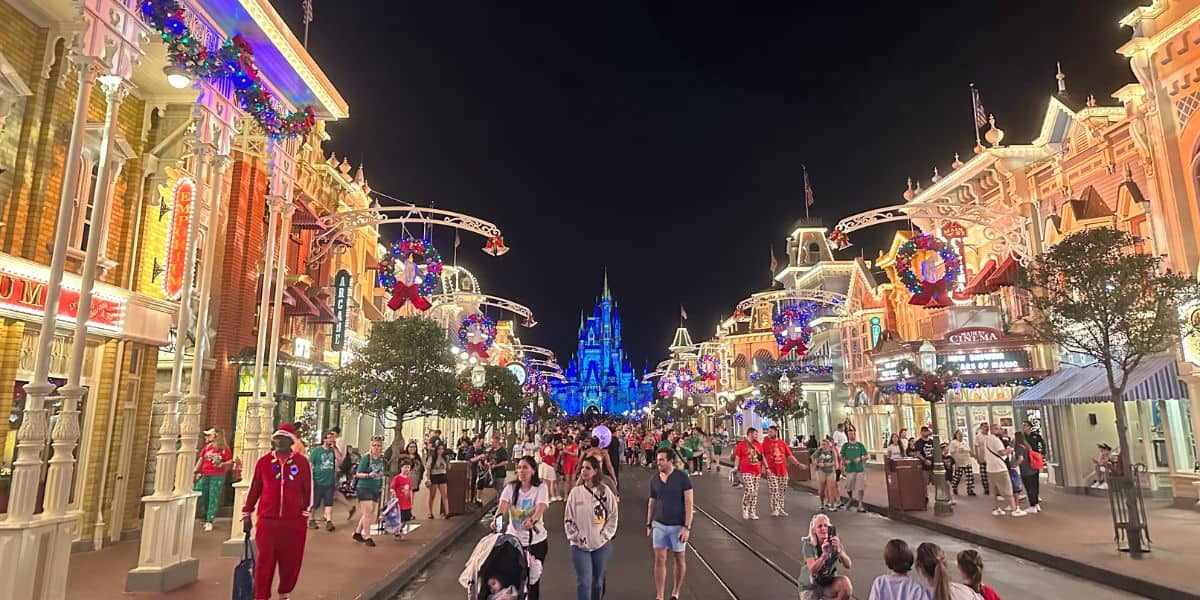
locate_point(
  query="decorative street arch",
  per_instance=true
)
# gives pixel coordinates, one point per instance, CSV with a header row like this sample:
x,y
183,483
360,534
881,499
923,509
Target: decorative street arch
x,y
478,300
523,349
841,303
1008,232
338,225
546,364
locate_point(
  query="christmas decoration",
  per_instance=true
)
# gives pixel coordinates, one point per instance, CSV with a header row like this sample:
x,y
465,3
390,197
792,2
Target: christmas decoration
x,y
410,270
476,334
778,402
709,368
792,331
839,240
927,267
495,246
930,386
667,384
234,60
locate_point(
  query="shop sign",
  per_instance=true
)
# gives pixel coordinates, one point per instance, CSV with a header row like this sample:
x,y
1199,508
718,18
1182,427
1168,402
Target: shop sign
x,y
28,295
987,362
341,308
177,236
889,370
302,348
974,335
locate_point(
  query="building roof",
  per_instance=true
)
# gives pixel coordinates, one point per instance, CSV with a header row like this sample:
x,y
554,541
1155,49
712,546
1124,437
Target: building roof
x,y
1089,206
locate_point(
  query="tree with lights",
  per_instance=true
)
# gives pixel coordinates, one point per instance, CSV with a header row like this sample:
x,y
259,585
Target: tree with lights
x,y
405,372
1093,294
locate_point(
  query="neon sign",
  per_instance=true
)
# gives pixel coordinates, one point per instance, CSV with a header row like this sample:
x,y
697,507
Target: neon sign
x,y
341,306
177,236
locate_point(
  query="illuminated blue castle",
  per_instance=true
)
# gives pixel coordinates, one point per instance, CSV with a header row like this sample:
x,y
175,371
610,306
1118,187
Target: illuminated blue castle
x,y
600,377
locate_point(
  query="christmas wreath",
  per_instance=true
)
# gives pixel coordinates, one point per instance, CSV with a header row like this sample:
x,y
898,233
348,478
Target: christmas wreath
x,y
792,330
400,272
930,386
928,289
476,334
667,384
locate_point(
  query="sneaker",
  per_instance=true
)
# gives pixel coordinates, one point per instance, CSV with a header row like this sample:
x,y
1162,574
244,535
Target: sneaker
x,y
370,542
774,513
953,501
1103,486
999,498
745,515
329,526
999,512
972,494
358,537
312,524
783,513
753,516
1036,509
208,526
833,508
861,509
1018,513
1095,485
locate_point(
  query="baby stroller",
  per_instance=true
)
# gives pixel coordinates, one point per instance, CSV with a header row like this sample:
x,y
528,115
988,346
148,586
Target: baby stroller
x,y
499,568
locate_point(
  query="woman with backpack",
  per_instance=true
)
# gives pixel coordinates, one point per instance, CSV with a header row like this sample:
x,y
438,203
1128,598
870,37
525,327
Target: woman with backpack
x,y
1029,461
590,522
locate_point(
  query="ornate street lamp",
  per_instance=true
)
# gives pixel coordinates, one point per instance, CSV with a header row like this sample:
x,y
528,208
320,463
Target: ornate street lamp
x,y
478,375
785,384
941,489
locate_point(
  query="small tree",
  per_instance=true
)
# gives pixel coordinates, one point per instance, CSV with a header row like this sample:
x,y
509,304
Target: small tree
x,y
406,371
482,404
1094,295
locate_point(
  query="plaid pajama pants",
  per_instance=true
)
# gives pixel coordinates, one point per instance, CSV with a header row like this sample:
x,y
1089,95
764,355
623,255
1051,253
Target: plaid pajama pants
x,y
749,493
777,484
969,473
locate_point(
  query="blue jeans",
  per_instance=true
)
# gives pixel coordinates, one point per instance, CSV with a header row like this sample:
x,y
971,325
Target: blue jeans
x,y
589,571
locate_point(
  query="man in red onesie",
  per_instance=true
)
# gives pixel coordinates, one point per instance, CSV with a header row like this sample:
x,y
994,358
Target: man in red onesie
x,y
282,489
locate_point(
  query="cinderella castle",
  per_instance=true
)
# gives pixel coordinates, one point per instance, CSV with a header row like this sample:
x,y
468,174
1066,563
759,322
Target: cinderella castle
x,y
600,378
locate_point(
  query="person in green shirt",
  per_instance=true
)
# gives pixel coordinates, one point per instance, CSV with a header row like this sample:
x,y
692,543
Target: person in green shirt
x,y
369,489
854,455
825,461
719,440
324,460
693,451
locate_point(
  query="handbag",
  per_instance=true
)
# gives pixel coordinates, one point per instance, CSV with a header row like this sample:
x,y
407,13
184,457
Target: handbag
x,y
243,573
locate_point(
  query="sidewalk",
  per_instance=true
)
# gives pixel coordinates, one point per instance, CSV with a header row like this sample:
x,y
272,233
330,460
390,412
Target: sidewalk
x,y
335,566
1073,534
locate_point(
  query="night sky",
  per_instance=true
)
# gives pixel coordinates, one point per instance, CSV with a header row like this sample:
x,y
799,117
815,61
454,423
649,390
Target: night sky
x,y
664,140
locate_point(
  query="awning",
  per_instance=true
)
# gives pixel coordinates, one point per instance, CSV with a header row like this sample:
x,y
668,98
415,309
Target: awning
x,y
372,312
304,219
740,361
975,286
324,315
1004,275
1156,378
301,306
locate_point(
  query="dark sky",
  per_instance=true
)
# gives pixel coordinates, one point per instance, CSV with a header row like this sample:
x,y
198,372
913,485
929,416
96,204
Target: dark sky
x,y
664,139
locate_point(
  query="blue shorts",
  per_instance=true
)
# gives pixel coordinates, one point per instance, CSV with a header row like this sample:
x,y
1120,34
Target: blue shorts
x,y
322,496
368,495
667,536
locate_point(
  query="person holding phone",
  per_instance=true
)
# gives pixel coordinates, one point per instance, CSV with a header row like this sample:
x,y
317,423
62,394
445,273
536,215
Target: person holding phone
x,y
823,552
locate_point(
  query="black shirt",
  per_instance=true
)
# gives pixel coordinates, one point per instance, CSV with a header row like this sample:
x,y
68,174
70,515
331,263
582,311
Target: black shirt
x,y
924,449
668,497
1037,442
497,456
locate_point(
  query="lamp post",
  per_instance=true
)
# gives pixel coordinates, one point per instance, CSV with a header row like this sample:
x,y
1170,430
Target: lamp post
x,y
941,489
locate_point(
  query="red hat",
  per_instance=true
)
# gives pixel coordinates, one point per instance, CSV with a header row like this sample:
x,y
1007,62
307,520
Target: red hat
x,y
287,429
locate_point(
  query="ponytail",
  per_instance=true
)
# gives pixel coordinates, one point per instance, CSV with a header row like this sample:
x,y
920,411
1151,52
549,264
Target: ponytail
x,y
971,566
932,563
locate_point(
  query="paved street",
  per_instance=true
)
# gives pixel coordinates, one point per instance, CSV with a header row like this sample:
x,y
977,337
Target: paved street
x,y
734,572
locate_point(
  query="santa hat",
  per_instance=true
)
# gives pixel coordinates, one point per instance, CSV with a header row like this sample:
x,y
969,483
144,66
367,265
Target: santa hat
x,y
287,429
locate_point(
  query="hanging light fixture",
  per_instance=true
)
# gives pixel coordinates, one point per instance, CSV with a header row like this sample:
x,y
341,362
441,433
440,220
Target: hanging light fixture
x,y
478,375
785,384
178,77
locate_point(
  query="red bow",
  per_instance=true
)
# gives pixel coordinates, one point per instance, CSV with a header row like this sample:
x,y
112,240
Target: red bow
x,y
796,344
477,349
408,293
932,295
495,246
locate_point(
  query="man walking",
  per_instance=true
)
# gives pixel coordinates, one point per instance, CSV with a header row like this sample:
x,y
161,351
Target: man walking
x,y
997,469
669,521
281,489
747,461
854,457
924,449
497,459
323,459
777,454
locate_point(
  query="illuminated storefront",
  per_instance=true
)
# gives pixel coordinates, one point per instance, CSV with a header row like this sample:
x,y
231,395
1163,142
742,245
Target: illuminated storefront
x,y
302,394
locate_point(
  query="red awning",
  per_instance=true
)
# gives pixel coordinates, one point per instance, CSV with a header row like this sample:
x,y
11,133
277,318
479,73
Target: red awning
x,y
976,285
305,219
1005,274
324,315
301,305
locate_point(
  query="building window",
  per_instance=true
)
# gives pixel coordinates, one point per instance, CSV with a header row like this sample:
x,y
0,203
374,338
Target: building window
x,y
85,202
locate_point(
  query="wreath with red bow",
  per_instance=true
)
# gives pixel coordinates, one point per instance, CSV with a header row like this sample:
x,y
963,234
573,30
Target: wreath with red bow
x,y
476,334
926,292
409,284
792,330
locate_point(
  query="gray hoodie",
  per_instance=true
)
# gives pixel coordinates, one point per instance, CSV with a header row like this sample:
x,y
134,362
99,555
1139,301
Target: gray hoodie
x,y
584,507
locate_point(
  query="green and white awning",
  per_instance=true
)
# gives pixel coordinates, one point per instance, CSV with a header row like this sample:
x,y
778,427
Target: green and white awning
x,y
1156,378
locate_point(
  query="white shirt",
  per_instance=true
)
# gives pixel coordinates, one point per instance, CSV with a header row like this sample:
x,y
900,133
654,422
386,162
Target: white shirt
x,y
839,438
523,508
991,447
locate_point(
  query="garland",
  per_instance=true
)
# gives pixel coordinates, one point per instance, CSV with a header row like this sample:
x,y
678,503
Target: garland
x,y
930,386
792,330
775,404
234,59
925,292
399,272
476,334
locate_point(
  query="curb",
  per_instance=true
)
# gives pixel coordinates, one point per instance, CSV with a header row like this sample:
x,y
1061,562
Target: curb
x,y
1127,583
391,584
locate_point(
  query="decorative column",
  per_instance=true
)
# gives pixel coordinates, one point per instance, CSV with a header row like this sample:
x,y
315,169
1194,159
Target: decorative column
x,y
66,431
163,563
268,408
31,436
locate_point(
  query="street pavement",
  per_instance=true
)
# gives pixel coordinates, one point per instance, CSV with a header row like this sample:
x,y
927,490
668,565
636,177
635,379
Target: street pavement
x,y
730,571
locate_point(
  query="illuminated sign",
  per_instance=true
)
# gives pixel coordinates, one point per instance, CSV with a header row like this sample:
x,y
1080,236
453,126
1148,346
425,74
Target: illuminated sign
x,y
28,295
302,348
341,309
518,371
177,236
889,370
987,362
974,335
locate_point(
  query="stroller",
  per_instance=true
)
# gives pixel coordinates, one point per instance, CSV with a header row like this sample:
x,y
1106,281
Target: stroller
x,y
499,557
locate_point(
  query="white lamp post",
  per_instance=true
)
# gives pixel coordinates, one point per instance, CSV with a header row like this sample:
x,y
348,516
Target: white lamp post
x,y
941,489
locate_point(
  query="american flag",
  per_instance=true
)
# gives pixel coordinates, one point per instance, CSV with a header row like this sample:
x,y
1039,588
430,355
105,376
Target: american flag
x,y
808,193
774,261
682,313
980,113
457,240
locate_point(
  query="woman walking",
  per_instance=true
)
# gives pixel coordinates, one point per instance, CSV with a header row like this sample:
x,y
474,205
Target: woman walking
x,y
590,521
961,453
214,458
438,465
931,563
1029,475
826,462
370,489
524,501
412,454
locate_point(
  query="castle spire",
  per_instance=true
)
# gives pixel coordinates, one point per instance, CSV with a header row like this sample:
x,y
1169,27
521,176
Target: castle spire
x,y
606,294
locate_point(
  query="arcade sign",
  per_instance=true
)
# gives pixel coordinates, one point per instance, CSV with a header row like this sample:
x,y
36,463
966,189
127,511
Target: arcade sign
x,y
24,293
341,308
974,335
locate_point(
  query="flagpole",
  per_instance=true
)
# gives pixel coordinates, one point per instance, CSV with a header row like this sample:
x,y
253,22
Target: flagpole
x,y
806,196
974,111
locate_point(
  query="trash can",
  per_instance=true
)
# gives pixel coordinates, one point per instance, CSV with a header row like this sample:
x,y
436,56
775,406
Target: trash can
x,y
796,473
458,486
905,486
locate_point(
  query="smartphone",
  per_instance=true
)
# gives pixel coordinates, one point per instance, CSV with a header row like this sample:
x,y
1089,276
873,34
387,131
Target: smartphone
x,y
832,531
498,524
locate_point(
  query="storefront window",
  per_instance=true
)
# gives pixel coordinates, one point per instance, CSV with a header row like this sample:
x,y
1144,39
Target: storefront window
x,y
1183,438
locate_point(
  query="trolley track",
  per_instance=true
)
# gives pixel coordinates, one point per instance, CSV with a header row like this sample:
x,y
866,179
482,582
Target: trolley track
x,y
735,584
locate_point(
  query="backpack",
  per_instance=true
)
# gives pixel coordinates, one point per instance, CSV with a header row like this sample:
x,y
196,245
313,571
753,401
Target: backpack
x,y
1036,461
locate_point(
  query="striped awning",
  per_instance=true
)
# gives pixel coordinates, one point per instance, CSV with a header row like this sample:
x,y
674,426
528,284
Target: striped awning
x,y
1156,378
